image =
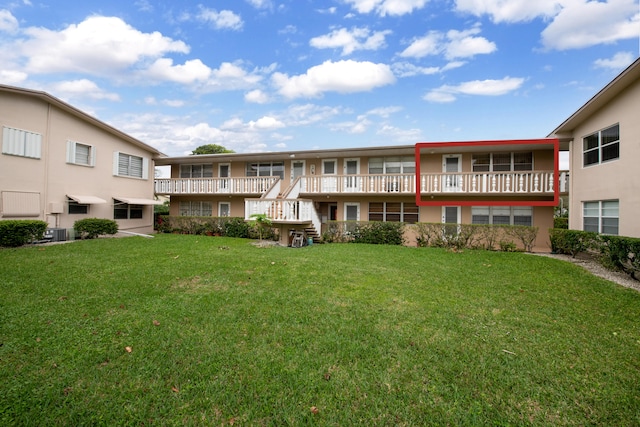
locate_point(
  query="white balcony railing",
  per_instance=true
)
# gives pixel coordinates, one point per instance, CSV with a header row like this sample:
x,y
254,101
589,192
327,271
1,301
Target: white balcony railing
x,y
488,182
245,185
367,184
284,210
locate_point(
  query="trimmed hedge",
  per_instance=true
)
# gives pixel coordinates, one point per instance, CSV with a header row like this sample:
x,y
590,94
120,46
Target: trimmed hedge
x,y
14,233
476,236
372,232
572,242
90,228
213,226
621,253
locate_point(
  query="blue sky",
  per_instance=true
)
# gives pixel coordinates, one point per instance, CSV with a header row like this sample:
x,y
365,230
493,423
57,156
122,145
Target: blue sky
x,y
272,75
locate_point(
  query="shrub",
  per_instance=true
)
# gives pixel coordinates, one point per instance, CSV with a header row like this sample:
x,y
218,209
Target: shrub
x,y
572,242
380,233
561,222
19,232
621,253
340,231
235,227
90,228
525,234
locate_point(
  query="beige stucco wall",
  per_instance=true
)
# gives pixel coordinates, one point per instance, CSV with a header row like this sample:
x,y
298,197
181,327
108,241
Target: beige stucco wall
x,y
617,179
53,178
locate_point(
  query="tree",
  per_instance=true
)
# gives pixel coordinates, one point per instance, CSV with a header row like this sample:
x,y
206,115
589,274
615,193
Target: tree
x,y
261,220
211,149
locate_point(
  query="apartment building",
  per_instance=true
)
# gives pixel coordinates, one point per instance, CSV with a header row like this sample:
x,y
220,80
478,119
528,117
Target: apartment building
x,y
59,164
485,182
603,138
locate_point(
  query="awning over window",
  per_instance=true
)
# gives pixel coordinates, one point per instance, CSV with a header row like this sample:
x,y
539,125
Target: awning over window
x,y
136,201
86,200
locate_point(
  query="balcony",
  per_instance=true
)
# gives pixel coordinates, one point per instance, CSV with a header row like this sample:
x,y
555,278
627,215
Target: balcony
x,y
488,183
359,184
212,186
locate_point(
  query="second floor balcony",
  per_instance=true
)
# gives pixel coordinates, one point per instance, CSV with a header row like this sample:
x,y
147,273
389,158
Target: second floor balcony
x,y
470,184
210,186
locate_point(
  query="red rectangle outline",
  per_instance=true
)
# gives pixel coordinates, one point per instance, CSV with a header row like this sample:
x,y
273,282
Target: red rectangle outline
x,y
547,141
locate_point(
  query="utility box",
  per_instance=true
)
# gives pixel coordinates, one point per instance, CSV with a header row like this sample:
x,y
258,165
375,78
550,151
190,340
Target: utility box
x,y
56,234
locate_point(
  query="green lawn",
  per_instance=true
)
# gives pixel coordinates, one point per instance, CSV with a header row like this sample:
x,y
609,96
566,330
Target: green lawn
x,y
194,330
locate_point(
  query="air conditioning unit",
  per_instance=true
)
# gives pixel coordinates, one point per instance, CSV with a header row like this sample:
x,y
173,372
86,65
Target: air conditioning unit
x,y
56,234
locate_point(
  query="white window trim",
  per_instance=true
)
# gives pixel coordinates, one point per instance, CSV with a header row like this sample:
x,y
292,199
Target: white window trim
x,y
335,166
220,205
511,213
116,169
71,153
357,205
600,146
600,215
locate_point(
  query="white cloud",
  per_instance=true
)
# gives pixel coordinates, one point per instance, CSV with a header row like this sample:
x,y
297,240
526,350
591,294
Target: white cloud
x,y
453,44
82,88
582,24
307,114
463,44
387,7
256,97
350,41
616,63
400,135
192,71
8,22
406,69
266,123
223,20
232,76
342,77
261,4
447,93
12,77
511,10
98,45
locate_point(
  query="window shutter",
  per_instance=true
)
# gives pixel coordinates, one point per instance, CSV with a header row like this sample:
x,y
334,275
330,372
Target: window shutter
x,y
145,168
71,152
116,163
92,156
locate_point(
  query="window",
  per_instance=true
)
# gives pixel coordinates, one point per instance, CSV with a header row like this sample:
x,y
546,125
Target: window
x,y
196,208
394,212
601,146
352,211
392,165
502,215
266,169
196,171
76,208
224,209
329,167
129,165
123,210
601,216
80,154
22,143
502,162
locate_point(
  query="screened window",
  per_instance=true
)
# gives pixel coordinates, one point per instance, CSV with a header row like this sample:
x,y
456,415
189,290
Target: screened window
x,y
265,169
76,208
502,162
196,208
392,165
601,216
601,146
129,165
502,215
196,171
21,143
394,212
80,154
123,210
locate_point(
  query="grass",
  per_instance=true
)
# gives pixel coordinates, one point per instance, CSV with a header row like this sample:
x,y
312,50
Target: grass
x,y
193,330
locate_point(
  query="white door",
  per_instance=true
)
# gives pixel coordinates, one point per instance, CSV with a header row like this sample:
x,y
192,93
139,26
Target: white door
x,y
297,170
451,219
329,178
451,169
351,170
224,171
